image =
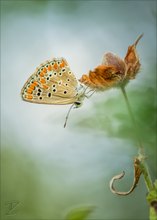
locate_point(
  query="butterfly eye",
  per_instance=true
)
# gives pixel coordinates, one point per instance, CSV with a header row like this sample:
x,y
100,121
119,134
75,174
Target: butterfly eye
x,y
55,73
68,80
63,70
65,92
69,72
48,78
38,94
54,90
60,74
50,75
54,85
47,65
40,98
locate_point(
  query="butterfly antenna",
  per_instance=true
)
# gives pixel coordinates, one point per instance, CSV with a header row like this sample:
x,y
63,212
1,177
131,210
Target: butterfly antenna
x,y
67,116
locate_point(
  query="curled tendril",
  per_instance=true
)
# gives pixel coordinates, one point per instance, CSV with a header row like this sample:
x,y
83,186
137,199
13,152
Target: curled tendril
x,y
137,174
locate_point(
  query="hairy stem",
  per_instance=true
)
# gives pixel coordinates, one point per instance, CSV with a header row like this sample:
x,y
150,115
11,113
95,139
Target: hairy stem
x,y
141,156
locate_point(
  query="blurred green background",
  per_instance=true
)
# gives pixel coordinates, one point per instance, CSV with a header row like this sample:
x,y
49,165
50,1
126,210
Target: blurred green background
x,y
47,170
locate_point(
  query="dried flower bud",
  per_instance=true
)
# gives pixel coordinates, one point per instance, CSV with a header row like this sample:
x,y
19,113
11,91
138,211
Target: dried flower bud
x,y
102,77
137,174
132,60
113,71
113,60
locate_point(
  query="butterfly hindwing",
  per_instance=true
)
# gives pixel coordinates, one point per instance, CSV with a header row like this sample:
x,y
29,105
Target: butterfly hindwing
x,y
51,83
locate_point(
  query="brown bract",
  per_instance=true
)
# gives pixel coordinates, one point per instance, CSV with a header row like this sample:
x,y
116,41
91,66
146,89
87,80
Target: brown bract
x,y
114,71
132,60
102,76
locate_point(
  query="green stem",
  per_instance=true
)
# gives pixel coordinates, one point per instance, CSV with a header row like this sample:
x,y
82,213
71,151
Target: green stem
x,y
141,156
132,118
147,176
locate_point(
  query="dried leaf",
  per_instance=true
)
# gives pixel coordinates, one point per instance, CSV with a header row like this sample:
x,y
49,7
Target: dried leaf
x,y
137,174
132,60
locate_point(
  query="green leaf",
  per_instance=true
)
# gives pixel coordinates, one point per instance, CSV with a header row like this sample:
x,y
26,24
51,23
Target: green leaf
x,y
80,213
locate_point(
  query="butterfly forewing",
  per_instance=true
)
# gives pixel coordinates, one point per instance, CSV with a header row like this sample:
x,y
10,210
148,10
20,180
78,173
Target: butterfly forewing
x,y
51,83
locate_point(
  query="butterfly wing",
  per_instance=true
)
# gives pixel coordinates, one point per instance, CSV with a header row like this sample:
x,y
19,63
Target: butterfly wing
x,y
51,83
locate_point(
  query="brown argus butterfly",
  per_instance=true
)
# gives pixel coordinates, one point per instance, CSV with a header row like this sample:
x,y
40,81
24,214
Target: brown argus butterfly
x,y
54,83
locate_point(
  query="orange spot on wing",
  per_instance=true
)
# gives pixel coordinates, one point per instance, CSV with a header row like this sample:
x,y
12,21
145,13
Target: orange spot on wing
x,y
29,90
49,68
32,86
45,86
29,97
35,83
62,65
42,80
42,74
55,66
45,70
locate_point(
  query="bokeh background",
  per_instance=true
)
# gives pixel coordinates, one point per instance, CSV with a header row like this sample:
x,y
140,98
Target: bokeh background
x,y
46,169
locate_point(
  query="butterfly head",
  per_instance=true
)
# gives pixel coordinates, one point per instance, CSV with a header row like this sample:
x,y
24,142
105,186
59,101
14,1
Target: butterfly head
x,y
80,96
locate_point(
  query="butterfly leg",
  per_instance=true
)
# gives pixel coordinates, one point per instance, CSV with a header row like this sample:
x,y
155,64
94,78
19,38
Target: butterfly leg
x,y
88,96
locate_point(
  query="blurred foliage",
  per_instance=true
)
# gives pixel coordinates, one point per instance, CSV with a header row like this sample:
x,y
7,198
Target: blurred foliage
x,y
111,116
33,6
19,184
27,194
34,189
37,7
79,213
24,194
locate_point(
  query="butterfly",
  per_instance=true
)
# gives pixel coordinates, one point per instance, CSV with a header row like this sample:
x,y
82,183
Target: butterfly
x,y
54,83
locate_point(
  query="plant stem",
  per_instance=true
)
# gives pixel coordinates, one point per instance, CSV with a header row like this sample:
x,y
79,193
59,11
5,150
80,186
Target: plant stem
x,y
141,156
133,119
146,175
